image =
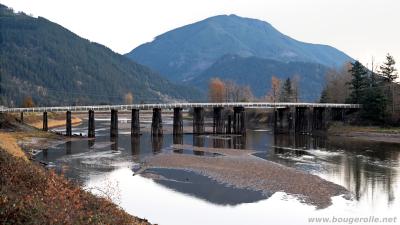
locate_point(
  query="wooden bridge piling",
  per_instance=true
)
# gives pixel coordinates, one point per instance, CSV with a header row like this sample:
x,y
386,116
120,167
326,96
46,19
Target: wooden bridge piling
x,y
229,125
135,123
218,121
156,124
114,123
68,128
177,122
198,120
45,122
239,120
91,124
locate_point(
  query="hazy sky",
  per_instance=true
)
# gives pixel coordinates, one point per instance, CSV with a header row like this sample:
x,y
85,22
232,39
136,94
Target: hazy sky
x,y
361,28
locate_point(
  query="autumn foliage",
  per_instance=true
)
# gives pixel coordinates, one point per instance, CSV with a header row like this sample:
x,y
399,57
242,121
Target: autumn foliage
x,y
28,102
30,194
216,90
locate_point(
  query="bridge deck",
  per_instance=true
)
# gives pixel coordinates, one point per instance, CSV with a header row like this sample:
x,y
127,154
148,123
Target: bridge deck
x,y
181,105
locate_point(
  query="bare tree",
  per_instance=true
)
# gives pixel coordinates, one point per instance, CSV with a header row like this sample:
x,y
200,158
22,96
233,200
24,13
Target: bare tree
x,y
296,87
336,88
237,93
273,94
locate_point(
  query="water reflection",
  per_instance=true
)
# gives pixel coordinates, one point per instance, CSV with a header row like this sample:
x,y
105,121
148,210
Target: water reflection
x,y
157,143
91,143
135,145
114,144
68,148
367,169
198,140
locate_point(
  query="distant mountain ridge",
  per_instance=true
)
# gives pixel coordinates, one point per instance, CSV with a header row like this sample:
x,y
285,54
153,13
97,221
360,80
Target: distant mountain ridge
x,y
186,52
53,65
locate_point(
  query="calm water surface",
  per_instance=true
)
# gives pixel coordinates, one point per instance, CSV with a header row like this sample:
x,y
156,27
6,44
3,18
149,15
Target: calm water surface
x,y
369,170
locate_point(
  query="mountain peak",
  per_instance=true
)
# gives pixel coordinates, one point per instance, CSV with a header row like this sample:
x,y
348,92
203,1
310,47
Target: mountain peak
x,y
187,51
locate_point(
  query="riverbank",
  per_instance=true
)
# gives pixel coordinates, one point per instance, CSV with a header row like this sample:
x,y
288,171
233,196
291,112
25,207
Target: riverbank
x,y
54,120
367,133
30,194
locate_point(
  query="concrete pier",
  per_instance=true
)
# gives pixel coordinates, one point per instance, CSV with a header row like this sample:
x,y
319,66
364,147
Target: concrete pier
x,y
45,122
114,123
156,124
198,120
68,129
91,124
239,120
218,122
135,123
177,122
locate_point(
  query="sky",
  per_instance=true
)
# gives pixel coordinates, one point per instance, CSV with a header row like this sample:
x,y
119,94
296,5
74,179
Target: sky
x,y
364,29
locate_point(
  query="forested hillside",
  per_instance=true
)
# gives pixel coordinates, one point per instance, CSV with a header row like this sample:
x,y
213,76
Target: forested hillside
x,y
257,72
56,67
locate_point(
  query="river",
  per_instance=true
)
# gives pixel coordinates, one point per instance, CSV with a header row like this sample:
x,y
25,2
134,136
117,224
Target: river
x,y
368,170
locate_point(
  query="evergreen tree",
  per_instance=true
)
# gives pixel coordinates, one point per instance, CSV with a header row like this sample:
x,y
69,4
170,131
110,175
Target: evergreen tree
x,y
324,96
387,70
286,91
358,83
374,104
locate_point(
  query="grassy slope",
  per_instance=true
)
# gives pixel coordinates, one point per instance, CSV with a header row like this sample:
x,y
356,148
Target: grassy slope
x,y
29,194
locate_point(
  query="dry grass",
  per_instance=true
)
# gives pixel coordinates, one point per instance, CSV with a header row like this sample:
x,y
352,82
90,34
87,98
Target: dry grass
x,y
9,143
52,123
30,194
54,119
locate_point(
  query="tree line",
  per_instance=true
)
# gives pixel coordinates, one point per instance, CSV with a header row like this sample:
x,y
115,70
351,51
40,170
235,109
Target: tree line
x,y
376,89
229,91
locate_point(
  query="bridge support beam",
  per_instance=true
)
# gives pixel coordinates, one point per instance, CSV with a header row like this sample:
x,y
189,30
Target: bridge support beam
x,y
91,125
292,120
45,122
135,123
177,122
156,124
218,122
21,117
114,123
198,120
282,121
337,114
320,119
239,120
303,117
68,128
229,125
